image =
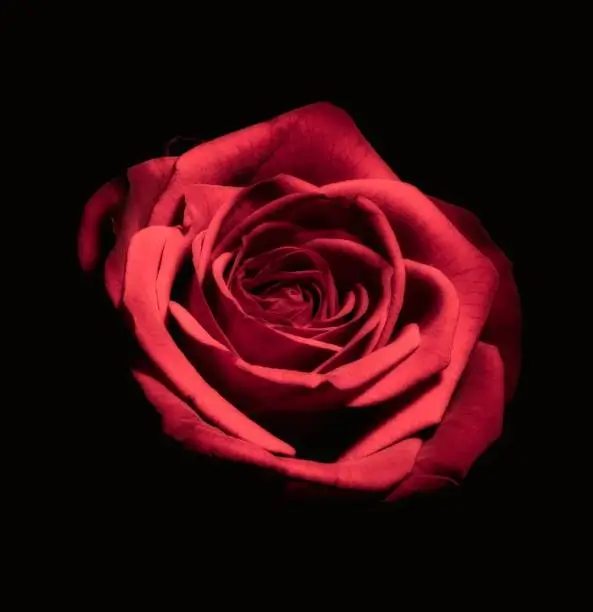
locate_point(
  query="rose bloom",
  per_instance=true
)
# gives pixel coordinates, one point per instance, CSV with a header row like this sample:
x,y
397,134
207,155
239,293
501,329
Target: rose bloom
x,y
301,309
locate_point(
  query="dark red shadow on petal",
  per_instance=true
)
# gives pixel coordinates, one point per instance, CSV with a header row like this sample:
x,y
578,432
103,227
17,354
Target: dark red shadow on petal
x,y
426,235
354,264
304,409
252,199
196,301
263,242
472,423
355,308
377,473
245,203
255,341
285,265
432,303
354,219
312,211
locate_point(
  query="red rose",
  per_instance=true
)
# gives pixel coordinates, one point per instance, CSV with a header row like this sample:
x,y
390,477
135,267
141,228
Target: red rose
x,y
302,309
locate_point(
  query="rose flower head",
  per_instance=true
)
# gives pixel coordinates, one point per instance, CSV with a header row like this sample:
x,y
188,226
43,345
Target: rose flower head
x,y
299,308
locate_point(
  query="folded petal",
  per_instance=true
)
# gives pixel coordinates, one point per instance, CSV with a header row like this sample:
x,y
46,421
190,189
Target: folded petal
x,y
353,263
257,307
443,351
202,202
258,342
291,264
372,225
103,202
472,423
269,235
230,229
295,406
503,326
296,214
260,389
376,473
318,143
340,328
357,374
427,236
147,181
273,394
349,305
197,304
259,255
145,258
431,302
222,229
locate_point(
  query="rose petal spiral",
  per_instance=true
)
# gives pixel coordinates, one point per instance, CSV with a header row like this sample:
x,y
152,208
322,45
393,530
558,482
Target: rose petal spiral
x,y
301,309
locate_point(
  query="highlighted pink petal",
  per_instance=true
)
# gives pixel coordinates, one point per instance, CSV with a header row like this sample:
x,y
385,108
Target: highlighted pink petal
x,y
140,300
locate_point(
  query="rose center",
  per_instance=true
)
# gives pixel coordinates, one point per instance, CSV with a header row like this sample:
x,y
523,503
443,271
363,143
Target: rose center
x,y
294,300
288,291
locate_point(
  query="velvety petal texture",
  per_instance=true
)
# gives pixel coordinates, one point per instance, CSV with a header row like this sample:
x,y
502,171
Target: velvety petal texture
x,y
301,309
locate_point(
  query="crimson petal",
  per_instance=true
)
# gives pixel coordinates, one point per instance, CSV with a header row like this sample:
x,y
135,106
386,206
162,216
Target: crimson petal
x,y
333,329
352,263
318,143
430,291
258,342
322,211
148,253
147,181
427,236
503,327
472,422
441,346
245,202
376,473
202,202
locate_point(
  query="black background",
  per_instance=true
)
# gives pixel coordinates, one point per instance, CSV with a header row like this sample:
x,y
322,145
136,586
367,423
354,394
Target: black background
x,y
463,130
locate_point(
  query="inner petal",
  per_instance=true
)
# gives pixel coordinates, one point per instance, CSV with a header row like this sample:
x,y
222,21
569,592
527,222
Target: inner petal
x,y
298,277
322,215
256,341
288,300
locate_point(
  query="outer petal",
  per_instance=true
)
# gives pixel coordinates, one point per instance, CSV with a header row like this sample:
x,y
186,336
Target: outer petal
x,y
503,327
425,235
472,423
377,473
435,307
104,201
225,223
147,181
148,253
318,143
